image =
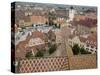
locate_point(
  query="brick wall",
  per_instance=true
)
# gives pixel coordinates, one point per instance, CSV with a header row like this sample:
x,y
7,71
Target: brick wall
x,y
83,61
43,64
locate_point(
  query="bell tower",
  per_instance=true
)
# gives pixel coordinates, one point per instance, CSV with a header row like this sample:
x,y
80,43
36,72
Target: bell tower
x,y
71,13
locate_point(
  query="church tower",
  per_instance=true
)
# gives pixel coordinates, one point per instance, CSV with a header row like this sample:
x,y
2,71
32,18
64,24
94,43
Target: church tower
x,y
71,13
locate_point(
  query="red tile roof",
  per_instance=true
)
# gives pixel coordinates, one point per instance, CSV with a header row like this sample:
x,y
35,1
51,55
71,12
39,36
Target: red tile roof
x,y
23,45
91,39
88,22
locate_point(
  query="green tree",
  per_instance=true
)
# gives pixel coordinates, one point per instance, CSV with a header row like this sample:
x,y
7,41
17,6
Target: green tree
x,y
29,55
79,50
46,22
51,35
76,49
52,48
39,54
83,51
51,18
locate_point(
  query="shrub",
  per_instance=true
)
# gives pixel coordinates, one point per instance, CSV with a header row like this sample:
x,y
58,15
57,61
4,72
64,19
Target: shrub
x,y
83,51
39,54
52,48
75,49
79,50
29,55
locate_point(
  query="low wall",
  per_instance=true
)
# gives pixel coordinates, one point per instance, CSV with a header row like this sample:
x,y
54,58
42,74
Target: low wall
x,y
43,64
83,61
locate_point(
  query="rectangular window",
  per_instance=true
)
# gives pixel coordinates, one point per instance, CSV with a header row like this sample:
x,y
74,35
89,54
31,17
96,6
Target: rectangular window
x,y
87,45
92,47
87,48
